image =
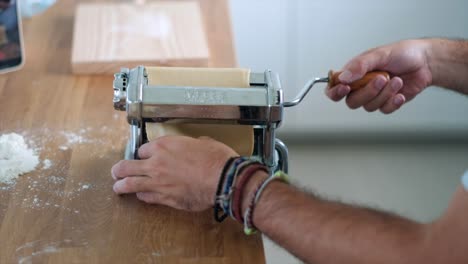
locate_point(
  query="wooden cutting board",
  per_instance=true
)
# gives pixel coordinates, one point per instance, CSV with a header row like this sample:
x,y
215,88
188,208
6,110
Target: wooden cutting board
x,y
108,36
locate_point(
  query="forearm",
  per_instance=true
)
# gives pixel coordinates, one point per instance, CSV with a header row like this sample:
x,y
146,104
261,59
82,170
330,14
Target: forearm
x,y
448,61
323,232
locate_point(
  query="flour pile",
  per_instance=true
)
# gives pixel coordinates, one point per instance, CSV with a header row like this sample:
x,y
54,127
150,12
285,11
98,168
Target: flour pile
x,y
15,158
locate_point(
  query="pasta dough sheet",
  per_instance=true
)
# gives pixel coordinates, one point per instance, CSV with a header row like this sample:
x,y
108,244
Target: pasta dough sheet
x,y
238,137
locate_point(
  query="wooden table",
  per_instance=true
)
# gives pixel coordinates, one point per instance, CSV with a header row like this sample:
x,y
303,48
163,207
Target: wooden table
x,y
68,213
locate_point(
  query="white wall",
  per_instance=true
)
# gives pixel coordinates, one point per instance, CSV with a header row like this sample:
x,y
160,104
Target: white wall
x,y
301,39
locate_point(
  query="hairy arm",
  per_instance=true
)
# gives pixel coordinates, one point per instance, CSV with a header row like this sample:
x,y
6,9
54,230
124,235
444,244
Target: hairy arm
x,y
448,61
319,231
183,173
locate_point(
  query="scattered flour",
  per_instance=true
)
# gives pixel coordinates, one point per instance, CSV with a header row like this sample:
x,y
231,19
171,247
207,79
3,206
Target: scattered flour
x,y
56,179
73,138
21,153
46,164
16,158
36,251
46,250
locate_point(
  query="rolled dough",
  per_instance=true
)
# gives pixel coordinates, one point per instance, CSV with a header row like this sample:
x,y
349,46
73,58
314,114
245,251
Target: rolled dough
x,y
238,137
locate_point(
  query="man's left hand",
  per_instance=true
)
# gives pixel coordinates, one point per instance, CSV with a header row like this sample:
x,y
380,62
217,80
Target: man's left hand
x,y
180,172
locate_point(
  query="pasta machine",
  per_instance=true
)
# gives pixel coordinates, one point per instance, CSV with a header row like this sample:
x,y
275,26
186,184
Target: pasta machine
x,y
263,110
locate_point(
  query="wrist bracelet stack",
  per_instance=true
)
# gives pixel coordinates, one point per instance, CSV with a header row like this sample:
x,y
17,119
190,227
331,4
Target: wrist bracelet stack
x,y
233,179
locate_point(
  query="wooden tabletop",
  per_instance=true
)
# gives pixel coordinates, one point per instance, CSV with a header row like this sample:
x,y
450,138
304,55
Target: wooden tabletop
x,y
67,212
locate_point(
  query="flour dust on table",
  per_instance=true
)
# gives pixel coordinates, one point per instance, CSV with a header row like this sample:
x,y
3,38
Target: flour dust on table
x,y
37,156
16,158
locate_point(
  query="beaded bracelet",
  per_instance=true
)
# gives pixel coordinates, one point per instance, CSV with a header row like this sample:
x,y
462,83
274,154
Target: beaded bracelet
x,y
249,229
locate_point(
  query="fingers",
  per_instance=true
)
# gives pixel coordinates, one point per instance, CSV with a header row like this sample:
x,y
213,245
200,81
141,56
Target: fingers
x,y
145,151
163,143
168,200
338,92
364,95
157,198
393,104
149,149
132,185
126,168
388,92
151,197
147,197
378,94
366,62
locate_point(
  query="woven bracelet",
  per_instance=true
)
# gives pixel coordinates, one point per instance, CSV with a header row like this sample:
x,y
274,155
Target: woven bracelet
x,y
229,182
236,206
217,207
224,190
249,228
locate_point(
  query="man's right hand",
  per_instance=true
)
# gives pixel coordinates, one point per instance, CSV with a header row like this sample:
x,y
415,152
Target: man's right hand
x,y
407,63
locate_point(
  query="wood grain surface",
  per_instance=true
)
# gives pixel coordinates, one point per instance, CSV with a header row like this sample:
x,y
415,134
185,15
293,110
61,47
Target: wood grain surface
x,y
107,35
68,213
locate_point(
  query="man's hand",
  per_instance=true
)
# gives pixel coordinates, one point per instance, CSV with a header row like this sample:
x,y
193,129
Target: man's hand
x,y
406,61
180,172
